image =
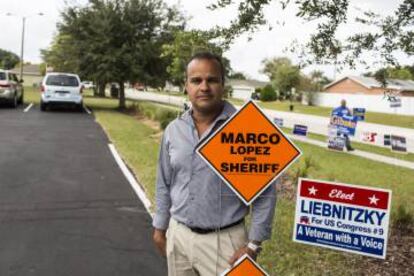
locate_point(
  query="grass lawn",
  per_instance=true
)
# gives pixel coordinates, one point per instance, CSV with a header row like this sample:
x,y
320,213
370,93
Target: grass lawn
x,y
138,145
31,95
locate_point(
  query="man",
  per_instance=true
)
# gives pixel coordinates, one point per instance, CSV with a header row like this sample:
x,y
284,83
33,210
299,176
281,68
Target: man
x,y
205,219
341,111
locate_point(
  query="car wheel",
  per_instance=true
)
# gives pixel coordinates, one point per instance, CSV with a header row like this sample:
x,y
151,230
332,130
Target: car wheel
x,y
42,106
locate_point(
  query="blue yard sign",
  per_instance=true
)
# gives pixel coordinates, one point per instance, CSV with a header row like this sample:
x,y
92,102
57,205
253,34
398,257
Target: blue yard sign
x,y
300,130
359,113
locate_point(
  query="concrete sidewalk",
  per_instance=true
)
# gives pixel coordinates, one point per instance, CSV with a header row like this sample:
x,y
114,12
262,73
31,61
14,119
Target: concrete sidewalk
x,y
316,124
360,153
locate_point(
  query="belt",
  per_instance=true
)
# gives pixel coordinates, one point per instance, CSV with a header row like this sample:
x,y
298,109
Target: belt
x,y
210,230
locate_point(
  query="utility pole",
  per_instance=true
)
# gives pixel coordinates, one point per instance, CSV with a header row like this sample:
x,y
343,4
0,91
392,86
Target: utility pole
x,y
22,43
22,47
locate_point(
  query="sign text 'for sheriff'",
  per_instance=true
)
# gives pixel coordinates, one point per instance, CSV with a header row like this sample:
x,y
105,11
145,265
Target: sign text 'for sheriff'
x,y
248,152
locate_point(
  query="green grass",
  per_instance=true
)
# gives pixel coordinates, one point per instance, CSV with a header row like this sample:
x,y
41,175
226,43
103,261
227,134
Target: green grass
x,y
280,256
31,95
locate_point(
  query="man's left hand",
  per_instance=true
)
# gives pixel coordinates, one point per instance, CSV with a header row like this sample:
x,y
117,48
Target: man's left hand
x,y
240,252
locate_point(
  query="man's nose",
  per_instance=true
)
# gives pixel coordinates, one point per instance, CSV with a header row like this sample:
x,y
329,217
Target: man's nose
x,y
204,85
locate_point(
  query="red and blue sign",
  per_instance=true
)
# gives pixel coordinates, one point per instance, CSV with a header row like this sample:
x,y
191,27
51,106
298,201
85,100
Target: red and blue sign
x,y
343,217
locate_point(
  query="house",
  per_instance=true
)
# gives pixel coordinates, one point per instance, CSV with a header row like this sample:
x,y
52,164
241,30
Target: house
x,y
367,92
31,74
370,86
243,89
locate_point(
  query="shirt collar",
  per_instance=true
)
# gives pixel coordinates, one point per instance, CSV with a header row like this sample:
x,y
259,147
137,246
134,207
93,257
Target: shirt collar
x,y
226,113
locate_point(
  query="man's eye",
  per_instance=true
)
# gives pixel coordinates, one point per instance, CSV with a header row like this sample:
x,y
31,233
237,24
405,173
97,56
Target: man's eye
x,y
196,81
213,80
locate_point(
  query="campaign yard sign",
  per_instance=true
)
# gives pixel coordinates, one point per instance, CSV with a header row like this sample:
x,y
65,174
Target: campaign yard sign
x,y
359,113
387,140
346,124
245,266
369,137
398,144
248,152
300,130
278,121
395,102
335,142
343,217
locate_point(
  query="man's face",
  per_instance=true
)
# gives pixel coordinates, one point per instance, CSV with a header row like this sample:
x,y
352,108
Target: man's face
x,y
204,85
343,103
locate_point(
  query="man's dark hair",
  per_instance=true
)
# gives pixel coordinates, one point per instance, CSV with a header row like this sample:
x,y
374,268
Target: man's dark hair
x,y
209,56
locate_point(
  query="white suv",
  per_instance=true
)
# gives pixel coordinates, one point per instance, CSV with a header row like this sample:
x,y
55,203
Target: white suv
x,y
61,88
11,89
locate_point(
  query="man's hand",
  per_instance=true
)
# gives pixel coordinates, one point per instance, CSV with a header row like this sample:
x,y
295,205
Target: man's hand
x,y
240,252
160,241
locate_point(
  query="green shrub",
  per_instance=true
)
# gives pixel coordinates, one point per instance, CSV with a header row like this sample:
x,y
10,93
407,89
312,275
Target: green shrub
x,y
162,114
149,113
164,123
268,94
165,116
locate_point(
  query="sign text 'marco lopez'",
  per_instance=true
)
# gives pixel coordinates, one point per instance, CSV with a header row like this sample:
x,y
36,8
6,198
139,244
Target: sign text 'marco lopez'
x,y
248,152
250,144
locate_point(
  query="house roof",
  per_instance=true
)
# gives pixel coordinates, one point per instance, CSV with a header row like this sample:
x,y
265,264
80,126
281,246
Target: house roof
x,y
28,69
251,83
369,82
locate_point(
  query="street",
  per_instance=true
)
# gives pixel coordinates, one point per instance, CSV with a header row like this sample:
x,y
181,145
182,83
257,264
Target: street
x,y
65,206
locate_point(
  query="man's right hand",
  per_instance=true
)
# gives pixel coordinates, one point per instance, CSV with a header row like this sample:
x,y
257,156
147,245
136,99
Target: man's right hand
x,y
160,241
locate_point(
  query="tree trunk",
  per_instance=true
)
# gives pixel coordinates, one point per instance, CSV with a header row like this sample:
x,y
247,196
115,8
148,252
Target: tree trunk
x,y
121,95
95,89
101,89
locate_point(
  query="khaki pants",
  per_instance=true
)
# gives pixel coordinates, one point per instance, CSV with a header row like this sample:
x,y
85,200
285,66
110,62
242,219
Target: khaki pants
x,y
189,253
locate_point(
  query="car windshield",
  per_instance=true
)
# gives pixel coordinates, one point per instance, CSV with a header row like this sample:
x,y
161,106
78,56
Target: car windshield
x,y
2,76
62,80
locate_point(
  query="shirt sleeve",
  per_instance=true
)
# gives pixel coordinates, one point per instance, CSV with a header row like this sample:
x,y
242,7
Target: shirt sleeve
x,y
163,181
263,210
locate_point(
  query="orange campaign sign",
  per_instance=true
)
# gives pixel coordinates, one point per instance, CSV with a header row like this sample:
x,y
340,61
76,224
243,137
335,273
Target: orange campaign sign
x,y
245,266
248,152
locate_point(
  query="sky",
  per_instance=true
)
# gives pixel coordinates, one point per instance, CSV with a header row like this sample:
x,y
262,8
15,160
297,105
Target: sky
x,y
245,56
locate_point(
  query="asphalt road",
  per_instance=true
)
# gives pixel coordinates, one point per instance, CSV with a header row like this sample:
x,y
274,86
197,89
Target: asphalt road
x,y
65,206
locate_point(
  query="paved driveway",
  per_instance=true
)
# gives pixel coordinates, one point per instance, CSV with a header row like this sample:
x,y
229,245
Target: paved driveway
x,y
65,206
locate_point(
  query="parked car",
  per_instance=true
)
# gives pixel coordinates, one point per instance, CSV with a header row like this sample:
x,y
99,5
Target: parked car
x,y
11,89
88,84
61,89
